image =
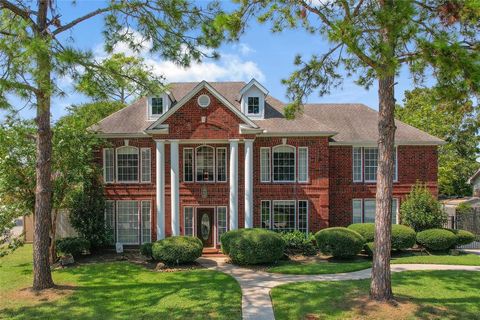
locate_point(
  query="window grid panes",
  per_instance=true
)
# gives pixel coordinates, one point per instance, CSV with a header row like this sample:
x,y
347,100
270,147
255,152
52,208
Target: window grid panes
x,y
221,222
357,211
303,216
108,165
369,210
284,215
284,164
110,217
127,222
188,221
357,164
146,164
265,215
253,105
205,164
303,164
188,164
371,161
221,164
146,222
127,164
157,106
265,164
394,211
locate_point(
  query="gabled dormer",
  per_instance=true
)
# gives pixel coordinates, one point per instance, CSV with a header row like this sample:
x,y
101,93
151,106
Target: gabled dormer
x,y
252,99
158,105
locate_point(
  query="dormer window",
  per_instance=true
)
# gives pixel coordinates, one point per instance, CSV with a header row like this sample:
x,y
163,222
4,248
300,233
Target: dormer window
x,y
253,105
157,106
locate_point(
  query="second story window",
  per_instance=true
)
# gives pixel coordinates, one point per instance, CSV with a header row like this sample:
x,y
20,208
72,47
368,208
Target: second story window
x,y
365,164
127,164
283,164
205,164
253,105
157,106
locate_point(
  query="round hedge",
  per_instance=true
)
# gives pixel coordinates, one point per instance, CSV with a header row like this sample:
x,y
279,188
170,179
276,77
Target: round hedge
x,y
75,246
252,246
436,239
403,237
463,237
146,250
339,242
177,250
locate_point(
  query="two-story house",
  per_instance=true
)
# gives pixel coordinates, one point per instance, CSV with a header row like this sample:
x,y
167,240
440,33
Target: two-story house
x,y
205,158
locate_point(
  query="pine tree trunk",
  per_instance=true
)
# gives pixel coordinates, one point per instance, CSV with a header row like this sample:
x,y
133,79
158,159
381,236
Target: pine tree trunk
x,y
381,287
42,277
53,235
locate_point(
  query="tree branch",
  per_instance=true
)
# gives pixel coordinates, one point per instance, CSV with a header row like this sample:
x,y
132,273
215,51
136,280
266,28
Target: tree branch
x,y
73,23
18,11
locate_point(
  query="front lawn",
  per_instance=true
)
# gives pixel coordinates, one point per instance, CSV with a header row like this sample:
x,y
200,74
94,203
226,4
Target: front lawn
x,y
116,290
421,295
438,258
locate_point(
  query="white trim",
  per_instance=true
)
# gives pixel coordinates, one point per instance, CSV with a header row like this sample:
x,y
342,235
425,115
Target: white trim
x,y
121,135
233,183
105,167
165,107
306,167
361,163
294,164
297,134
248,181
117,180
214,164
225,164
193,221
150,165
243,129
217,237
160,187
251,83
269,213
368,143
205,105
175,187
269,165
183,165
191,94
149,221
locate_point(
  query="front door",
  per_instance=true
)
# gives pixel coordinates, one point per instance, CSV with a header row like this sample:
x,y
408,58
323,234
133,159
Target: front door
x,y
205,226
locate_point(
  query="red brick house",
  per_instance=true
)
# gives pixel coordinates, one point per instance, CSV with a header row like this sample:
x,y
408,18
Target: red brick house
x,y
209,157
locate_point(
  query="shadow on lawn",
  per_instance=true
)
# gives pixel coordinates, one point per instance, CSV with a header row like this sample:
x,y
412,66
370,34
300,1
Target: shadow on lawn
x,y
123,290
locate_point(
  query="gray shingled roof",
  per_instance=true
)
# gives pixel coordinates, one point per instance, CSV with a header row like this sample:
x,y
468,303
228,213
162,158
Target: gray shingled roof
x,y
351,122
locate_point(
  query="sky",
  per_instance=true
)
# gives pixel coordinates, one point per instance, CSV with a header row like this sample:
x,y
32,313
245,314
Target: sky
x,y
259,54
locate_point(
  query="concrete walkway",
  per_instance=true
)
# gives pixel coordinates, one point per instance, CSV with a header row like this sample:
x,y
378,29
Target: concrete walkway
x,y
256,285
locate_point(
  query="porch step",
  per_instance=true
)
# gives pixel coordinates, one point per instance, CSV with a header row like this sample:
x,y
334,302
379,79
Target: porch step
x,y
212,251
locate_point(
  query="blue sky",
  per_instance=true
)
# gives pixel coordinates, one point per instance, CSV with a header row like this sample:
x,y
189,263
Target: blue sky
x,y
267,57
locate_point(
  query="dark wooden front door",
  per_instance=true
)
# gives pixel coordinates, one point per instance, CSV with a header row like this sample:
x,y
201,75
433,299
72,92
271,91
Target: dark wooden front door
x,y
205,228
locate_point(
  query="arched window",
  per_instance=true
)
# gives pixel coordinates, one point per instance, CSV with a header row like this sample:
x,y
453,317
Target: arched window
x,y
283,164
127,164
205,163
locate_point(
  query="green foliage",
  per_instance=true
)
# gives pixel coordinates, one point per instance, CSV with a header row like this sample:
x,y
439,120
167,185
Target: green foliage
x,y
463,237
369,248
420,210
253,246
339,242
146,250
366,230
457,122
464,208
75,246
177,250
87,214
403,237
298,242
436,239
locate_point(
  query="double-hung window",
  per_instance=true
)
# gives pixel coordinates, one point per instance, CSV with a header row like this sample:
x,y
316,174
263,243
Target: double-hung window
x,y
127,164
284,164
146,164
127,222
131,222
188,221
157,106
371,162
365,163
265,215
253,105
146,221
284,215
205,163
108,165
188,164
221,164
302,164
221,222
265,164
303,216
363,210
110,217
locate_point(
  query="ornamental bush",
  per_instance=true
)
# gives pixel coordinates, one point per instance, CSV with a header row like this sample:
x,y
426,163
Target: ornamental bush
x,y
72,245
463,237
403,237
421,211
436,239
177,250
253,246
298,242
339,242
146,250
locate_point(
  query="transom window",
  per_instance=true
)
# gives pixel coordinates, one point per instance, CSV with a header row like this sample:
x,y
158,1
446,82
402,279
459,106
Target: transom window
x,y
127,164
253,105
283,164
157,106
363,210
205,164
365,163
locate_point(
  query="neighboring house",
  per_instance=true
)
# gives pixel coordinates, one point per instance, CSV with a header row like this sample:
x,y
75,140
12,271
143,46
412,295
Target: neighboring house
x,y
209,157
475,182
64,228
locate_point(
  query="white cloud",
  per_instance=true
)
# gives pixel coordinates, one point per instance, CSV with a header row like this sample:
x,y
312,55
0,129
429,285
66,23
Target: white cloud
x,y
244,49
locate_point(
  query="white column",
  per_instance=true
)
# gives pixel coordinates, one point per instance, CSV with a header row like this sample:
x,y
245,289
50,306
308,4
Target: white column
x,y
249,183
175,189
233,184
160,196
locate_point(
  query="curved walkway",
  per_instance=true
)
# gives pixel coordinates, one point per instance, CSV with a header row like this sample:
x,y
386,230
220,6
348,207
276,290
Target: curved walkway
x,y
256,285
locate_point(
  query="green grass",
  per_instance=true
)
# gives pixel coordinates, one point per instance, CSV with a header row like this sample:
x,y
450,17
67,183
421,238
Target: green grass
x,y
119,290
423,295
438,258
324,267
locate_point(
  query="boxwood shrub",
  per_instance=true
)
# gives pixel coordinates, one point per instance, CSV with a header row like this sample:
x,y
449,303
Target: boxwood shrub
x,y
436,239
72,245
403,237
298,242
339,242
146,250
253,246
177,250
463,237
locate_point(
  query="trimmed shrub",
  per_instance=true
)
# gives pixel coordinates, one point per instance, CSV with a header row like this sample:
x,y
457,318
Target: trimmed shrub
x,y
298,242
177,250
369,247
72,245
421,211
436,239
339,242
403,237
463,237
253,246
146,250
